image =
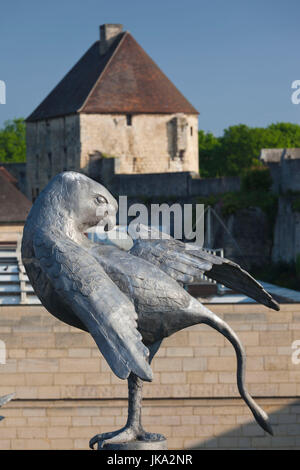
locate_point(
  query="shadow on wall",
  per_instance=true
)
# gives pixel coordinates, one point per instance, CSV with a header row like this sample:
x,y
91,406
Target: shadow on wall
x,y
286,428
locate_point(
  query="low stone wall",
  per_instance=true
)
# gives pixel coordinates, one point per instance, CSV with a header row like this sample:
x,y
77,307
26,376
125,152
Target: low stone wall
x,y
65,392
209,186
178,184
153,185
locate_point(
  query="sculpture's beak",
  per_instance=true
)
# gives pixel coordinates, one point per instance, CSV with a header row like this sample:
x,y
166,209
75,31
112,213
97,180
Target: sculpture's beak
x,y
106,215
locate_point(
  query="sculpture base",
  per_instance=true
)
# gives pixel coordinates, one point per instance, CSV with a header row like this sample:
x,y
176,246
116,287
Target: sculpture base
x,y
160,444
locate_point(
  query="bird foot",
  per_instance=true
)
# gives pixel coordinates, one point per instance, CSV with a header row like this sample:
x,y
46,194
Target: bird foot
x,y
124,435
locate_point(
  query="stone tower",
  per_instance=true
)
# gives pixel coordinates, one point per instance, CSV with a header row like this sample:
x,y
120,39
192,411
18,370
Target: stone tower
x,y
114,104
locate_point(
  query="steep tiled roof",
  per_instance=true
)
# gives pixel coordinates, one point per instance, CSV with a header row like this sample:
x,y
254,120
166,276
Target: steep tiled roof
x,y
123,80
8,175
14,206
71,92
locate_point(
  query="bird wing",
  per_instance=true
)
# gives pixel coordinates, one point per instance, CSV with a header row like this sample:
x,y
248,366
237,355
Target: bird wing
x,y
187,263
92,296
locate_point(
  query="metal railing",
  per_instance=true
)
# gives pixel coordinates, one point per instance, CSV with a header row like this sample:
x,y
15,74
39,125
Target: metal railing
x,y
15,288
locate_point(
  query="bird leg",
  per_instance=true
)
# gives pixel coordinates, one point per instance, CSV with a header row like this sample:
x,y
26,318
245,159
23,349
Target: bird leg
x,y
133,429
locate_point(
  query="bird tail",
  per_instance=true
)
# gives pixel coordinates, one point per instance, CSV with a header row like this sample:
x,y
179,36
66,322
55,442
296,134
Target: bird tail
x,y
209,318
4,400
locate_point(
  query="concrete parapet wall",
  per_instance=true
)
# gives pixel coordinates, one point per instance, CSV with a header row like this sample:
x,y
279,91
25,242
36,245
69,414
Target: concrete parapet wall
x,y
196,423
65,391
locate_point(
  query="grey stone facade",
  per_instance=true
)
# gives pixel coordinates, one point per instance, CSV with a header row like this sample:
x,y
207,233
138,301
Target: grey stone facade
x,y
284,166
52,146
286,245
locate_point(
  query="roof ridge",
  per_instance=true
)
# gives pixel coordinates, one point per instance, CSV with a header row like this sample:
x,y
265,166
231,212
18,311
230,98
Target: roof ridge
x,y
156,84
16,205
8,175
60,82
163,73
125,79
103,72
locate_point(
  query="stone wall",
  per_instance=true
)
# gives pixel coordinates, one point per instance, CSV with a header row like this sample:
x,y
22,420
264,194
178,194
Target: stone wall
x,y
66,393
284,165
247,239
149,145
290,174
52,146
209,186
286,244
174,185
151,157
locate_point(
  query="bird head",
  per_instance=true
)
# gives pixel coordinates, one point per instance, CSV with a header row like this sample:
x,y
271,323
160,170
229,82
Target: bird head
x,y
86,202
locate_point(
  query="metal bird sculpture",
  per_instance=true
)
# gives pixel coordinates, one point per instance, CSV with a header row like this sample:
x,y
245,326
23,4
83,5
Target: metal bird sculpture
x,y
129,301
5,399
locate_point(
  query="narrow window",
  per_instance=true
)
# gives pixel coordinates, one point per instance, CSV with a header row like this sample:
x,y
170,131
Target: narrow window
x,y
36,167
49,165
34,193
134,164
129,119
191,130
65,159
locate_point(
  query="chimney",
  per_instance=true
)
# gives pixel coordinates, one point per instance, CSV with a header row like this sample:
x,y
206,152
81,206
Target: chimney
x,y
108,34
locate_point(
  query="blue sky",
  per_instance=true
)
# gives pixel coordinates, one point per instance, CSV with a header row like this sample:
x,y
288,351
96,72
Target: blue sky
x,y
235,60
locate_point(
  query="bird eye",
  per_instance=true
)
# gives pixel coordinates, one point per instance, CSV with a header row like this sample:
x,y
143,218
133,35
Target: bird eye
x,y
100,200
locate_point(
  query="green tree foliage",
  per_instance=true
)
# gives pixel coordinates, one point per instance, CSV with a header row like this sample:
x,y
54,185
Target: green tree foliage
x,y
208,154
239,147
12,141
257,179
